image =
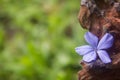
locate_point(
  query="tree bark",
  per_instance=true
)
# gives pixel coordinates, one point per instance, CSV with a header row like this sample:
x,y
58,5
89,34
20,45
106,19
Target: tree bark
x,y
99,17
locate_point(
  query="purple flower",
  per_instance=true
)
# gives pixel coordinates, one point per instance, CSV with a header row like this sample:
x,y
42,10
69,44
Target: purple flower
x,y
96,49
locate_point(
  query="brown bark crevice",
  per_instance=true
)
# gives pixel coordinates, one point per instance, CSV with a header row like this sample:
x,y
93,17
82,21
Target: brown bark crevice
x,y
105,17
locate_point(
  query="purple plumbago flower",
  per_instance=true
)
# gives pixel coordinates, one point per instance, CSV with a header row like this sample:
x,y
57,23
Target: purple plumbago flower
x,y
96,49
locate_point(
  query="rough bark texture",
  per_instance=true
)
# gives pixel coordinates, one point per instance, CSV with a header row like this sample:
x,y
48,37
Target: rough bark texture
x,y
104,18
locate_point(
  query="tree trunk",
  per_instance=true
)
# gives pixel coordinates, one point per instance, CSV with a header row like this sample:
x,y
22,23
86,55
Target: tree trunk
x,y
99,17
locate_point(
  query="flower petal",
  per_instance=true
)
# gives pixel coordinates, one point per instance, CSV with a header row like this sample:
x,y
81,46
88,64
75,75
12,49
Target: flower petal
x,y
91,39
90,56
103,55
82,50
106,41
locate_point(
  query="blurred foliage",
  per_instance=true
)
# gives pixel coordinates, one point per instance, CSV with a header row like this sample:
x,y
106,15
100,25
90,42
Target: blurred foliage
x,y
37,39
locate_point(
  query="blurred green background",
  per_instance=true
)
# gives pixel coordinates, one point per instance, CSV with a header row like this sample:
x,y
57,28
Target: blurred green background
x,y
38,38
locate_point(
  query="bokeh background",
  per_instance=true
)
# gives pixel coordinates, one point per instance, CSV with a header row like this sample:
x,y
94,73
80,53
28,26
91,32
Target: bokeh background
x,y
38,38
